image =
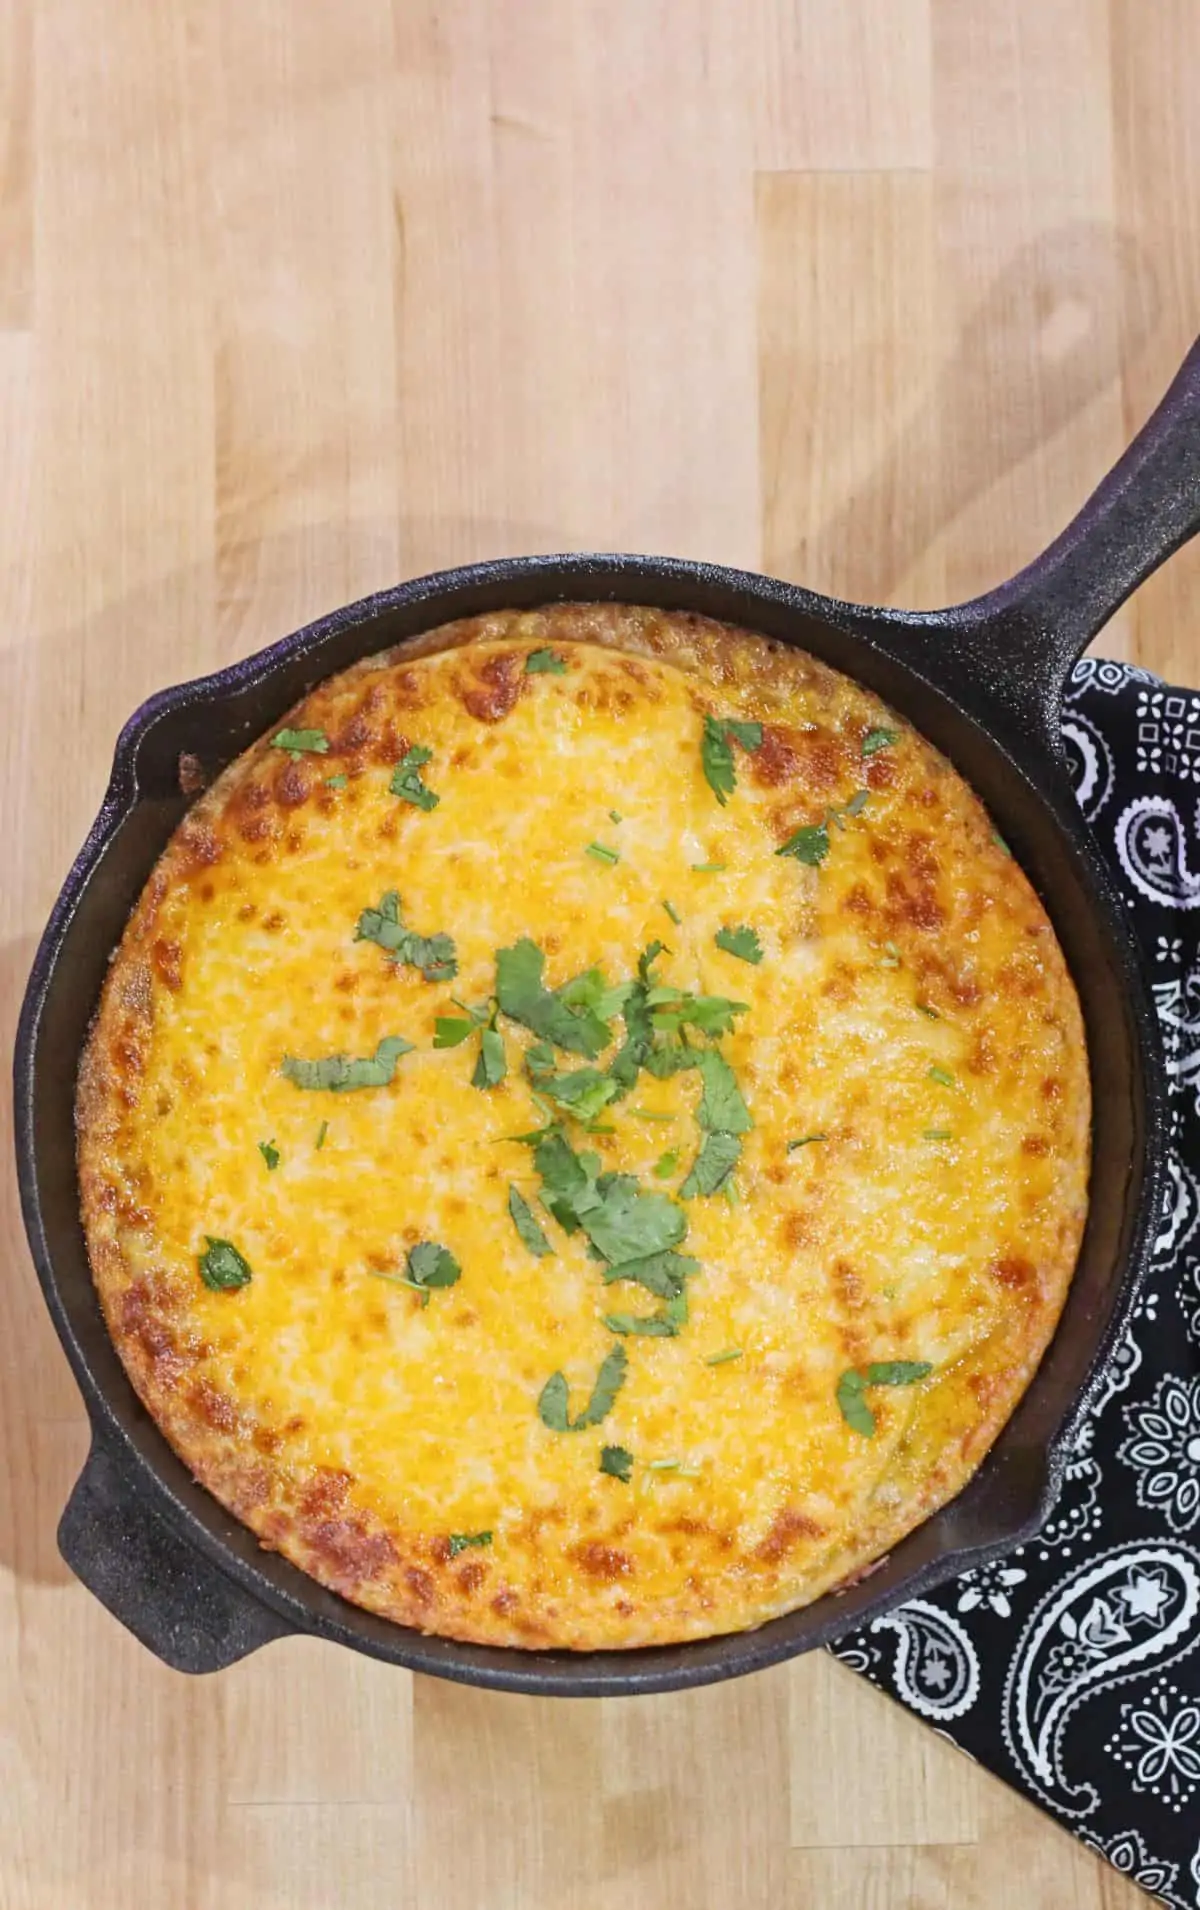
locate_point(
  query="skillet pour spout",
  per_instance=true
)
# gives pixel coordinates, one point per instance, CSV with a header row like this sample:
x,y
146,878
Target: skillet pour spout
x,y
984,682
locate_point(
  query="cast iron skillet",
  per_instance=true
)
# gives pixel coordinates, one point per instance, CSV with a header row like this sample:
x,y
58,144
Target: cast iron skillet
x,y
984,682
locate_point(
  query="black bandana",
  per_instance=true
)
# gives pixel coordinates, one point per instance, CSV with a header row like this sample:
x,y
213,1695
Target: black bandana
x,y
1071,1668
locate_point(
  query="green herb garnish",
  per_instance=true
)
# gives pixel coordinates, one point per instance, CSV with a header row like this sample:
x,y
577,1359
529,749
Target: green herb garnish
x,y
430,1265
665,1165
924,1008
340,1073
270,1154
857,803
616,1462
554,1398
449,1031
336,782
572,1017
526,1225
322,1131
301,742
723,1359
459,1541
722,1109
805,1140
672,912
852,1387
544,663
709,868
599,853
222,1267
942,1076
433,955
492,1065
742,942
716,752
719,1155
809,845
939,1134
614,815
879,739
406,779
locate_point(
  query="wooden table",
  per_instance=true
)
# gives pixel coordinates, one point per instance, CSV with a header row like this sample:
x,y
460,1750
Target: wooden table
x,y
299,297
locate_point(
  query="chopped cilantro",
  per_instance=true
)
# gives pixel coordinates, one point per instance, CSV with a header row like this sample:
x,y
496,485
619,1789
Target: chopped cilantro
x,y
663,1325
723,1359
434,955
939,1134
665,1165
616,1462
614,815
459,1541
719,1155
806,1140
554,1398
406,779
742,942
322,1131
429,1265
222,1268
672,1009
942,1076
709,868
599,853
572,1017
526,1225
716,752
451,1030
336,782
301,742
544,663
852,1386
270,1154
492,1065
672,912
925,1008
674,1057
340,1073
582,1093
809,845
662,1274
722,1109
626,1225
875,740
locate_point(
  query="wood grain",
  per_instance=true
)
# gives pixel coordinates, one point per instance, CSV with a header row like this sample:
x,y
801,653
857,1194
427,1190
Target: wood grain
x,y
297,300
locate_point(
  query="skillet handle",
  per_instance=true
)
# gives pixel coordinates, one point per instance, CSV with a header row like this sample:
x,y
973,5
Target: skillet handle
x,y
189,1614
1148,505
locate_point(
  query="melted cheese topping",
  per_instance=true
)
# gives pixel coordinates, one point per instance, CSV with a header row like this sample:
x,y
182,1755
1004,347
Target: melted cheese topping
x,y
912,1008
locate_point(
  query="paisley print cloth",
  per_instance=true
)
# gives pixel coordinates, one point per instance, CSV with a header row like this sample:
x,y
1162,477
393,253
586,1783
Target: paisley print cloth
x,y
1071,1668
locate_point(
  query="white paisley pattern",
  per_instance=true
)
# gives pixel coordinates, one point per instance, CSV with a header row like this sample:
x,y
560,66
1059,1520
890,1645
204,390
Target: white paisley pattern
x,y
1071,1666
1164,1449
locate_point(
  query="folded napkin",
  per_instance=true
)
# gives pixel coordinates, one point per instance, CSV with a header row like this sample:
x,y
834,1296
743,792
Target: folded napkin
x,y
1071,1668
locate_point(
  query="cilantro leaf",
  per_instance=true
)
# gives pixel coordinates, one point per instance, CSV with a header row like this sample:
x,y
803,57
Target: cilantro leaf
x,y
942,1076
878,739
722,1109
430,1265
852,1404
672,1058
492,1065
672,911
459,1541
270,1154
336,782
566,1016
526,1225
616,1462
544,663
322,1131
742,942
662,1274
723,1359
852,1386
599,852
663,1325
340,1073
406,779
434,955
450,1030
805,1140
627,1224
673,1008
665,1165
716,752
222,1268
554,1398
809,845
719,1155
300,742
582,1093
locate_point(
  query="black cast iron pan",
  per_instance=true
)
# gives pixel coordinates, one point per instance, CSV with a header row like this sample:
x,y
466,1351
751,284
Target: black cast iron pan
x,y
984,682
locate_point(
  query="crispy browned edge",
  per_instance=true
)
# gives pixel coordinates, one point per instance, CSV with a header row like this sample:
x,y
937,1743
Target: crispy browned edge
x,y
313,1520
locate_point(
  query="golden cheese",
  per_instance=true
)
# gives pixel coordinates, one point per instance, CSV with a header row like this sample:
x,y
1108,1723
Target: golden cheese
x,y
912,1009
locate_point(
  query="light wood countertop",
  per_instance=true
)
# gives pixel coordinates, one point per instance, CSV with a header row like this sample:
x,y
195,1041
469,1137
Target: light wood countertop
x,y
300,299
